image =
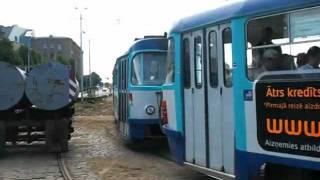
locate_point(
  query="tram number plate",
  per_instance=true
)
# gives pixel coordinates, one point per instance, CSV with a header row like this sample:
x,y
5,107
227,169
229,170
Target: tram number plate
x,y
288,116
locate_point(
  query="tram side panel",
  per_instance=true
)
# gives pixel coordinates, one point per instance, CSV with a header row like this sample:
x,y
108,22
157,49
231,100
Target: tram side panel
x,y
115,93
275,131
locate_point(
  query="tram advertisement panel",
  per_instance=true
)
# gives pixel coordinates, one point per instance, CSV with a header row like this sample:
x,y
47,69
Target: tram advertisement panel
x,y
288,115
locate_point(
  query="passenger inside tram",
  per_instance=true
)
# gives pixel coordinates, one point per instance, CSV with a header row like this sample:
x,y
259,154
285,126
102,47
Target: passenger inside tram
x,y
313,57
282,43
266,39
270,61
302,59
153,74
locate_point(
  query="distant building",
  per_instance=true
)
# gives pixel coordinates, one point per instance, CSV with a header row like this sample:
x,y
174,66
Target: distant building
x,y
58,49
14,33
4,32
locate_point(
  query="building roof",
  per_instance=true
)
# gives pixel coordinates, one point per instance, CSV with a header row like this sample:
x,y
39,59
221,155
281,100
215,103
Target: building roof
x,y
240,9
48,38
6,30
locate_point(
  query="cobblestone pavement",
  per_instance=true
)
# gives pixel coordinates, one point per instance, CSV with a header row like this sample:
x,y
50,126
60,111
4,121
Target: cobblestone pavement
x,y
29,163
95,152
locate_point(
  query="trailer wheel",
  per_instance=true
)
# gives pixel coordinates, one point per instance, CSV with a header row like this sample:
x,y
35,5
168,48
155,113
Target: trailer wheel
x,y
2,137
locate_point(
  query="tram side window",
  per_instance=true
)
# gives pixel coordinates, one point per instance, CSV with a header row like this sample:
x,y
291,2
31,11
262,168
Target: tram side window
x,y
123,69
282,42
170,62
186,64
198,61
115,77
213,59
227,51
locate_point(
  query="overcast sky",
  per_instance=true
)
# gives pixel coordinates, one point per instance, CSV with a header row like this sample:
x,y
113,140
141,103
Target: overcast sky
x,y
110,25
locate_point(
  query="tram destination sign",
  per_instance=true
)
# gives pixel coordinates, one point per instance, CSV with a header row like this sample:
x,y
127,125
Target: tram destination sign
x,y
288,115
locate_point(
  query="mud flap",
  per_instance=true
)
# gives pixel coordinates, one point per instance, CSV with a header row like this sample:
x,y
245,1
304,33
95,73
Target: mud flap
x,y
57,135
2,137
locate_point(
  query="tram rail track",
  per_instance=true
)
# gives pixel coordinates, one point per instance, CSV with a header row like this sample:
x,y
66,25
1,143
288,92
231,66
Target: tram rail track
x,y
63,167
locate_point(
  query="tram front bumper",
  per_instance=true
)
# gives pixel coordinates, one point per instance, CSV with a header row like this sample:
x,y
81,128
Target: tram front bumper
x,y
139,129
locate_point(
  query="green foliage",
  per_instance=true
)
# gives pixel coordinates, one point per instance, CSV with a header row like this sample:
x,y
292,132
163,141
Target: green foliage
x,y
95,80
8,54
62,60
23,53
18,57
35,57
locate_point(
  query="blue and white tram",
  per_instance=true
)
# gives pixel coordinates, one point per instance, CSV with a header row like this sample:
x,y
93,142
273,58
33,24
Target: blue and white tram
x,y
137,77
240,101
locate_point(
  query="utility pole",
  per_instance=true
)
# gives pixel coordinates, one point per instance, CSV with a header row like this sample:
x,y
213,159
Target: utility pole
x,y
81,59
29,49
81,54
90,80
29,55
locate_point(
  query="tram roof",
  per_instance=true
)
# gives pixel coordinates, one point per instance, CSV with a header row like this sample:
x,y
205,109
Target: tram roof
x,y
240,9
148,44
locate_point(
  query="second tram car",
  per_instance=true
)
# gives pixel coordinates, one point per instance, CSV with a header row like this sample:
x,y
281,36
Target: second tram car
x,y
241,99
137,77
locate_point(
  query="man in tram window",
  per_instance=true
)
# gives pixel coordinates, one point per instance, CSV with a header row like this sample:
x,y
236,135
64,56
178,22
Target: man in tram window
x,y
153,72
267,36
313,59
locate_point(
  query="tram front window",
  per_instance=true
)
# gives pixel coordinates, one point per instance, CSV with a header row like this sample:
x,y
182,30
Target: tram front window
x,y
149,69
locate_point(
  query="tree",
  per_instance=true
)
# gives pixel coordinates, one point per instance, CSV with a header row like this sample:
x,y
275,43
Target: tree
x,y
95,80
23,53
8,54
62,60
35,58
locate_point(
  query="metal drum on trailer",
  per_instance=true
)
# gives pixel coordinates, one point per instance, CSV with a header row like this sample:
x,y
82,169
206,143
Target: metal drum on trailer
x,y
51,86
11,86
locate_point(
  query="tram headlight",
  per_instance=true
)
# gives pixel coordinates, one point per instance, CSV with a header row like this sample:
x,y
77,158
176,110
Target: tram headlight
x,y
150,109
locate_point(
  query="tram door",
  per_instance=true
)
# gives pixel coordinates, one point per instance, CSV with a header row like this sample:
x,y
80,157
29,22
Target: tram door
x,y
220,98
123,100
194,97
208,105
214,100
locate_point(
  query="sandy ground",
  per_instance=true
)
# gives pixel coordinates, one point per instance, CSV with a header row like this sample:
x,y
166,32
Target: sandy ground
x,y
110,159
